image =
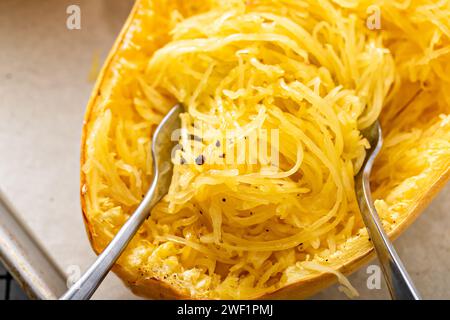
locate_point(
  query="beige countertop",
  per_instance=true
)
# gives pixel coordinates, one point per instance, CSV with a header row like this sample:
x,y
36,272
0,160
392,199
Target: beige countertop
x,y
44,87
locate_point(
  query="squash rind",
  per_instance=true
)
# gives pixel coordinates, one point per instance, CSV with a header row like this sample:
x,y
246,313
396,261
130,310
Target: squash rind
x,y
154,288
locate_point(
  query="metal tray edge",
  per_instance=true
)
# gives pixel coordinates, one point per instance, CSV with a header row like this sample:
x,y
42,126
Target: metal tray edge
x,y
26,259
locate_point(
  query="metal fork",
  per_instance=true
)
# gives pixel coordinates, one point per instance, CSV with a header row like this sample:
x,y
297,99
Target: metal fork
x,y
398,281
162,147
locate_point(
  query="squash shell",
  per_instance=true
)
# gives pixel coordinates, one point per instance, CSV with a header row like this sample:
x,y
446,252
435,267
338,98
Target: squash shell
x,y
156,289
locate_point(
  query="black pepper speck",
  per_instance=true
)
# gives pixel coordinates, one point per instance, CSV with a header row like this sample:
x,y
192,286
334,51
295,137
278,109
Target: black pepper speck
x,y
200,160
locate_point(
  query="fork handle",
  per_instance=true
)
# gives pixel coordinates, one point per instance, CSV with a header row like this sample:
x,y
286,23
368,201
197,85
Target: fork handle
x,y
397,278
85,287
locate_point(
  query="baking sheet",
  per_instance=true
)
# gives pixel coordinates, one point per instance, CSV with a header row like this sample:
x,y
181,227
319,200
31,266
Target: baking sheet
x,y
45,80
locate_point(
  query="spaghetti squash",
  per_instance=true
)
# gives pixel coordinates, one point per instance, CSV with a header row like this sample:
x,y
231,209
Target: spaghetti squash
x,y
276,93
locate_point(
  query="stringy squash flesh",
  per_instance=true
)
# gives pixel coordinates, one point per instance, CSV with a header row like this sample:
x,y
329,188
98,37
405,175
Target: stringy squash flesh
x,y
310,71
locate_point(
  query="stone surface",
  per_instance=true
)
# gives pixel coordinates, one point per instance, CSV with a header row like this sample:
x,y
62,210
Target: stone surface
x,y
44,87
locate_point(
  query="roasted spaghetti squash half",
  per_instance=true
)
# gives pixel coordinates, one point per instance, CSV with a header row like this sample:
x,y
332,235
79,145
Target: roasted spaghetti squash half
x,y
297,79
